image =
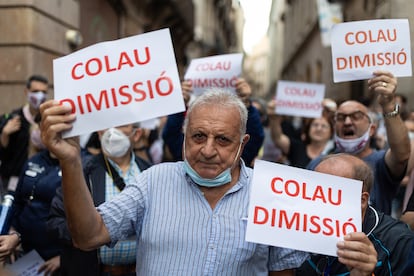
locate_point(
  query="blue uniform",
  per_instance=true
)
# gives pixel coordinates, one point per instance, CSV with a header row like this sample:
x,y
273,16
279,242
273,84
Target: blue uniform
x,y
40,177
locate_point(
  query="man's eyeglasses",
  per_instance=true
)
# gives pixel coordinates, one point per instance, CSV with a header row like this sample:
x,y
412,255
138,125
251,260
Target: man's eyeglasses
x,y
354,116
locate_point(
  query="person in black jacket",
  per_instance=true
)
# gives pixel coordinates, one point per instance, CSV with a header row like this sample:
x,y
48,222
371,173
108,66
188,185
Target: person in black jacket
x,y
385,242
19,133
112,166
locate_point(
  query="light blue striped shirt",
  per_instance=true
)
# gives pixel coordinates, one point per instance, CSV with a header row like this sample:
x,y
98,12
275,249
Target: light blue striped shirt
x,y
178,232
124,252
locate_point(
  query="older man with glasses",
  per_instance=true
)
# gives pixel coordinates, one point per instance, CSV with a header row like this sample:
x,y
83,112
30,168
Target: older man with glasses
x,y
354,129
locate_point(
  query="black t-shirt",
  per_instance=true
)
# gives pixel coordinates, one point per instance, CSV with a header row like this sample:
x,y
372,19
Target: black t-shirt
x,y
298,156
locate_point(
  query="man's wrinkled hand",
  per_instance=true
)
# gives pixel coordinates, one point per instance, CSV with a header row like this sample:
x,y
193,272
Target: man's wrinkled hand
x,y
357,252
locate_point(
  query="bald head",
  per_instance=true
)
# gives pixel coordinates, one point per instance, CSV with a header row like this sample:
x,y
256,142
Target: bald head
x,y
349,166
348,106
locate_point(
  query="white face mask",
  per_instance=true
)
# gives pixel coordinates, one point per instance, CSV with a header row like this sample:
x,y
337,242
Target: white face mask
x,y
115,143
352,146
36,98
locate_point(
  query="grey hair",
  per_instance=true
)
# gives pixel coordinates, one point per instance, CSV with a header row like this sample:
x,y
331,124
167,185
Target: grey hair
x,y
366,175
223,98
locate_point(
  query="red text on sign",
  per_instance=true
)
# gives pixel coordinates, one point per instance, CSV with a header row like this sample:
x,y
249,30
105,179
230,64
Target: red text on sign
x,y
126,94
97,65
362,37
374,59
293,188
299,105
303,222
218,66
215,82
295,91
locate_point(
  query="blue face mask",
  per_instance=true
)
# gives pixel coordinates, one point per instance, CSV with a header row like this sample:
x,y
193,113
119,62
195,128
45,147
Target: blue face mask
x,y
219,180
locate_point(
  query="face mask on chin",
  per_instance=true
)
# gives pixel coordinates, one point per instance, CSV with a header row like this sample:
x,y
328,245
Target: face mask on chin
x,y
221,179
115,143
352,146
36,98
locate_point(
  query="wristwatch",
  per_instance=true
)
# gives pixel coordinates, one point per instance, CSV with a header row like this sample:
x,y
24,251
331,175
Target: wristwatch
x,y
393,113
17,234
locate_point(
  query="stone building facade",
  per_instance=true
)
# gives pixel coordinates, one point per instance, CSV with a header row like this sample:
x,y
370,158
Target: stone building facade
x,y
34,32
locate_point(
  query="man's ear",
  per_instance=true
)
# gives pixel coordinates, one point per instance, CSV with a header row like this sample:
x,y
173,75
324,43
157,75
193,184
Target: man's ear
x,y
246,139
364,198
138,134
364,202
373,129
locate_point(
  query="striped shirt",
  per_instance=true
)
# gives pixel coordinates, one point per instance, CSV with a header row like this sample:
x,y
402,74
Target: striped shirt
x,y
178,232
124,252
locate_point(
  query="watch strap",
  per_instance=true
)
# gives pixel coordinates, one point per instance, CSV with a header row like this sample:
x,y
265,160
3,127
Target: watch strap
x,y
393,113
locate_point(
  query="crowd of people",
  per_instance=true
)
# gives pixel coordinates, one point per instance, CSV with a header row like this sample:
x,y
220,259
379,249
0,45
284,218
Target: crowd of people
x,y
129,200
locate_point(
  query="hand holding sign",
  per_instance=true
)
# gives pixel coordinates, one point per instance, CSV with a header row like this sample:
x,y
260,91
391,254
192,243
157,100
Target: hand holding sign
x,y
243,90
271,108
358,253
57,118
187,89
384,84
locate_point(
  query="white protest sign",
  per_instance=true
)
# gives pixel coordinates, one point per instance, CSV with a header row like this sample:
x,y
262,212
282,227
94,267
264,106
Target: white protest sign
x,y
361,47
216,71
299,99
302,209
150,123
119,82
27,265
